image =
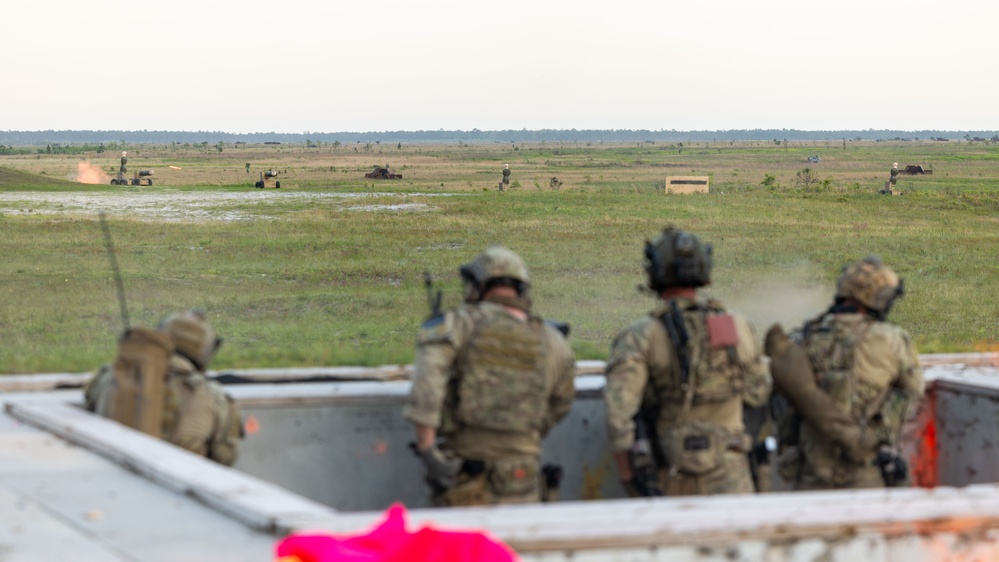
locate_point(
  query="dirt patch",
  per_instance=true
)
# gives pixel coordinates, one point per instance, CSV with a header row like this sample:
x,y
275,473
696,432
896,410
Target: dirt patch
x,y
183,205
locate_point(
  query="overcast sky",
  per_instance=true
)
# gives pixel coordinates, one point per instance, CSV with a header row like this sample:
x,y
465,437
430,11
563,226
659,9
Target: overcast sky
x,y
376,65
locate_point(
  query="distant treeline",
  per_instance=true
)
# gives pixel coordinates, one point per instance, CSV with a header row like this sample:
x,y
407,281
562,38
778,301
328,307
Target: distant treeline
x,y
40,138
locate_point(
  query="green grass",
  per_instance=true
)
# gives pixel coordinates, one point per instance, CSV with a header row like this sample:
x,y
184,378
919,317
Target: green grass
x,y
323,285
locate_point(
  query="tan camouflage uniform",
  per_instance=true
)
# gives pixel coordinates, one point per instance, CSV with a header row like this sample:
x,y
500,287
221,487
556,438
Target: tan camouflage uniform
x,y
858,361
643,366
197,414
493,385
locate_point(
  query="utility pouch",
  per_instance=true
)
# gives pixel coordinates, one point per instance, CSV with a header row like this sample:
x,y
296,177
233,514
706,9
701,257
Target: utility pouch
x,y
514,477
140,370
695,448
467,490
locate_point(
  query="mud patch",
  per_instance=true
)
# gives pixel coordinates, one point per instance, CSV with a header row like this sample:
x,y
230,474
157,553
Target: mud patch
x,y
198,205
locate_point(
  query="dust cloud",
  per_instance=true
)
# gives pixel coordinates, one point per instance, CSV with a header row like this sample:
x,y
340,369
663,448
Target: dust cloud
x,y
89,173
781,300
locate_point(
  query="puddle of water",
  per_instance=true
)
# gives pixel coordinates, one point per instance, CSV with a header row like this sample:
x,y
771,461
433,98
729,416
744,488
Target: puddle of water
x,y
193,205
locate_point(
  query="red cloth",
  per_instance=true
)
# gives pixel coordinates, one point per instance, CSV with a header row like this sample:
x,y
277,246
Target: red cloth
x,y
391,542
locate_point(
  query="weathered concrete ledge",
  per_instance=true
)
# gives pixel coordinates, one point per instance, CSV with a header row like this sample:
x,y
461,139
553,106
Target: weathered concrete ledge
x,y
911,524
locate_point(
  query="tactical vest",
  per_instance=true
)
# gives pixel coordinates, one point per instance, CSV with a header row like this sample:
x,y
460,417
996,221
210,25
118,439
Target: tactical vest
x,y
831,346
189,408
501,382
714,370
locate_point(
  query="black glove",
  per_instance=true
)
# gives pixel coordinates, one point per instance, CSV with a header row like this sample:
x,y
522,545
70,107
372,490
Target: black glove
x,y
894,469
441,470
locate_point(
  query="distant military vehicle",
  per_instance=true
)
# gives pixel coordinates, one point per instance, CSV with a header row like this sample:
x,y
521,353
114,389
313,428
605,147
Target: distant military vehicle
x,y
140,178
382,173
814,159
268,179
913,170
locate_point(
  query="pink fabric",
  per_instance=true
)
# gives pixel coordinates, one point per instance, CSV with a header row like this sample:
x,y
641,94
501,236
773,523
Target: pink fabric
x,y
391,542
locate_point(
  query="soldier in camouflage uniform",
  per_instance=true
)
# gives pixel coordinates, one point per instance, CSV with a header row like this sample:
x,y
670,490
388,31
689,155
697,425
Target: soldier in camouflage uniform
x,y
689,367
490,380
506,177
197,414
124,162
870,370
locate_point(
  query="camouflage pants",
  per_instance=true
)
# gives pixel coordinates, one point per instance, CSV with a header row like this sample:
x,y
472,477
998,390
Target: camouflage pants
x,y
732,476
855,479
503,482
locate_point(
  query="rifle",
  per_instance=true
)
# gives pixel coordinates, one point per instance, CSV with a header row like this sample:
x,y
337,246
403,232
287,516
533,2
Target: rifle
x,y
433,298
642,458
562,327
677,330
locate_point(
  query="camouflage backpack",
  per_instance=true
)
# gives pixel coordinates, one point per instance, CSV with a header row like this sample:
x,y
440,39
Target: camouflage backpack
x,y
140,371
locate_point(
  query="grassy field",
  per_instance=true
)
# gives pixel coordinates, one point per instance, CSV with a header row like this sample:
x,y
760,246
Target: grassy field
x,y
329,269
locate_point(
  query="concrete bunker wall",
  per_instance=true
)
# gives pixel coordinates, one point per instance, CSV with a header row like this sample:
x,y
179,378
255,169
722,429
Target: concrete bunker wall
x,y
687,184
346,445
352,441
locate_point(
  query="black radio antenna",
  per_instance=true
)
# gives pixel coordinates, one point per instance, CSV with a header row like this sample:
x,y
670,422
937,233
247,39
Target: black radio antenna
x,y
109,246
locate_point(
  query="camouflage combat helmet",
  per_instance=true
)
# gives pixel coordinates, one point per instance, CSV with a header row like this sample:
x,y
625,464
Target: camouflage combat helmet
x,y
496,265
193,337
871,283
677,258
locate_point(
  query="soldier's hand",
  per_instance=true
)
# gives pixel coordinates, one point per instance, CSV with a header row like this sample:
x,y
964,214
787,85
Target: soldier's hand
x,y
441,469
776,342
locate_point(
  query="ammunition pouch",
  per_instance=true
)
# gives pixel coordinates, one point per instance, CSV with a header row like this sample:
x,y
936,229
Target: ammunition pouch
x,y
481,482
699,448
